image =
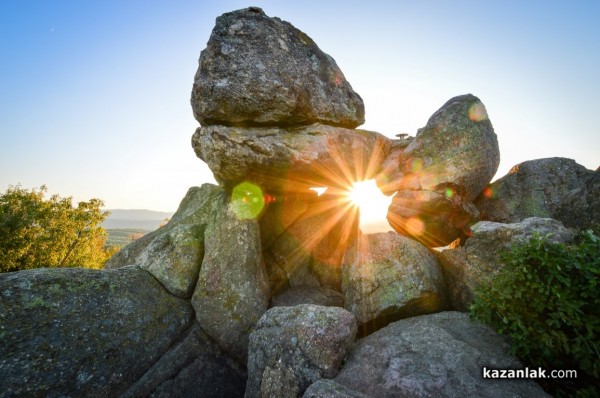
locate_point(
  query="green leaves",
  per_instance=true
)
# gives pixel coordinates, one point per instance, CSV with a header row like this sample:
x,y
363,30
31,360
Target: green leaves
x,y
38,232
546,299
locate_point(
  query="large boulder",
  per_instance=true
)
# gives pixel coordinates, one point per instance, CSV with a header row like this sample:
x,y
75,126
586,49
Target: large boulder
x,y
477,262
232,291
439,355
441,171
258,70
458,146
173,253
287,159
81,332
387,277
536,188
292,347
581,207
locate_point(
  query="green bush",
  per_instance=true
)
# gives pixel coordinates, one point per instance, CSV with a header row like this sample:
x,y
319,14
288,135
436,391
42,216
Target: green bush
x,y
546,300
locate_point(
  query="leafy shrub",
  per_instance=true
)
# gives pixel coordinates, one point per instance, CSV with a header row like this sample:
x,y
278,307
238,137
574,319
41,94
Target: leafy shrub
x,y
547,300
36,231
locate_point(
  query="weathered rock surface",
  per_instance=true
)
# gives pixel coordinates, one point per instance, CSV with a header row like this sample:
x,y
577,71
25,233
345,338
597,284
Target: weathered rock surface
x,y
232,290
439,355
282,159
79,332
478,261
581,207
193,367
536,188
433,218
387,277
458,146
258,70
173,254
292,347
441,171
308,295
326,388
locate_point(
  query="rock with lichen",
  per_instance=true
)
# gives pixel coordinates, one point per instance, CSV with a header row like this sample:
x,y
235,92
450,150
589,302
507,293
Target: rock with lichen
x,y
173,253
444,168
232,290
387,276
292,347
550,187
468,267
283,159
262,71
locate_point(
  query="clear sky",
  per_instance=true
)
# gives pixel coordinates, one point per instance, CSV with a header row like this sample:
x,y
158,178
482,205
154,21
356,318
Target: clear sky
x,y
94,95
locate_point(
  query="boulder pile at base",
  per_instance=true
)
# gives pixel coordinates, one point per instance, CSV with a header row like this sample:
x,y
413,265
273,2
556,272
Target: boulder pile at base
x,y
260,287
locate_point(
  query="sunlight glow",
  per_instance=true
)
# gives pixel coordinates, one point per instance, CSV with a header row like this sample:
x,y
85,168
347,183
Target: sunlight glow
x,y
373,205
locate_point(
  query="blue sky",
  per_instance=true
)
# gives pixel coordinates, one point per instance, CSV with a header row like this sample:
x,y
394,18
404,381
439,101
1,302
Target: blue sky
x,y
94,95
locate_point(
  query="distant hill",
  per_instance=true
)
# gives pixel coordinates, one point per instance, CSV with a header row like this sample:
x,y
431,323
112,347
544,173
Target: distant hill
x,y
135,219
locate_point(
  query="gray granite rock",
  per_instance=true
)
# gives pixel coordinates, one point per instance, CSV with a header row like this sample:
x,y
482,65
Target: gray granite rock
x,y
81,332
292,347
387,277
479,260
173,254
439,355
232,290
325,388
550,187
258,70
441,171
290,159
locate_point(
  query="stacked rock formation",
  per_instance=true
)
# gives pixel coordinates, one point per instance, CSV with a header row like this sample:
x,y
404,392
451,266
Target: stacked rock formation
x,y
260,287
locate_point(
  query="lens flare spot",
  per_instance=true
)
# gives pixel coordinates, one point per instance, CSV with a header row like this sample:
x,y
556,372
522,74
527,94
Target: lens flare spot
x,y
477,112
488,192
415,226
416,165
247,201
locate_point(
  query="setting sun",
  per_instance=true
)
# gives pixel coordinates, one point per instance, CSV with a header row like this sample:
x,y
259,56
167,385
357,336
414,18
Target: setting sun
x,y
373,205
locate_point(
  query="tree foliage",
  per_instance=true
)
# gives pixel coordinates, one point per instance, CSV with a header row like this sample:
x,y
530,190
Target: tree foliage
x,y
38,232
547,300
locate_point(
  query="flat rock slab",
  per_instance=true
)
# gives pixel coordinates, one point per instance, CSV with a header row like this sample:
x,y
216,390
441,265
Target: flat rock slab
x,y
439,355
258,70
80,332
283,159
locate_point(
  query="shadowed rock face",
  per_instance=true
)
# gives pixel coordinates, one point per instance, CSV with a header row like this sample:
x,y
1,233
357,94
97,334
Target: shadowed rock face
x,y
258,70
